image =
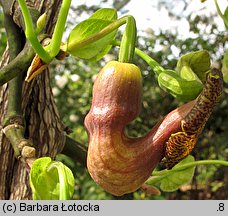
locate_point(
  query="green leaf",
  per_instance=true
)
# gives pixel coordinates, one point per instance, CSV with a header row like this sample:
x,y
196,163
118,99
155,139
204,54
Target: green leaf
x,y
171,180
81,42
101,54
105,14
84,30
225,17
180,88
198,61
40,23
50,180
175,179
226,13
187,82
188,74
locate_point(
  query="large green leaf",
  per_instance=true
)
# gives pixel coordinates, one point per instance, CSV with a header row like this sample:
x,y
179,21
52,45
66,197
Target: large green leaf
x,y
180,88
198,61
175,179
77,44
51,180
225,17
105,14
171,180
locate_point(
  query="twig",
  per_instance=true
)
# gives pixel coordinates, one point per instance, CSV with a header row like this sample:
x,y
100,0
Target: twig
x,y
75,151
18,65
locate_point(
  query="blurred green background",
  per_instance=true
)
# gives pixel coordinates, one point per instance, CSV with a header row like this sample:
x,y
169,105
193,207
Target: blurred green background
x,y
72,81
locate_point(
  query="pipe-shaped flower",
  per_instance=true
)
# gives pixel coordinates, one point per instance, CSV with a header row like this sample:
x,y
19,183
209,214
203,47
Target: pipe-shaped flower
x,y
118,163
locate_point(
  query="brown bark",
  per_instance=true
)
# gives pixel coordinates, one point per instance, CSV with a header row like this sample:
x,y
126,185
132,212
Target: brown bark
x,y
43,124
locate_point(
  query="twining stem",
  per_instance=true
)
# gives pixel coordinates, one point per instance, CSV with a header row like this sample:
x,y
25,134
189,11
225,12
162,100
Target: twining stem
x,y
13,113
59,28
218,9
157,68
127,46
31,34
49,52
220,14
13,122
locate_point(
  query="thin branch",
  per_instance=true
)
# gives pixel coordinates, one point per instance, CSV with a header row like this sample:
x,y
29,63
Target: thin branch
x,y
17,65
75,150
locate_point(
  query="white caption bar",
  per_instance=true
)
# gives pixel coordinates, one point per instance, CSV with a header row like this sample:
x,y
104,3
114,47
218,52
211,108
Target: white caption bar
x,y
115,208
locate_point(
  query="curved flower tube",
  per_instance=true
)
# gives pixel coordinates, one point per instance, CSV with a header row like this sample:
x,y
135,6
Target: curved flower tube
x,y
121,164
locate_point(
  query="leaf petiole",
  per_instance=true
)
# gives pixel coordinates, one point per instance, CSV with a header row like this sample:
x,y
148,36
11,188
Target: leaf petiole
x,y
95,37
157,68
182,173
220,14
127,46
31,34
191,164
56,40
